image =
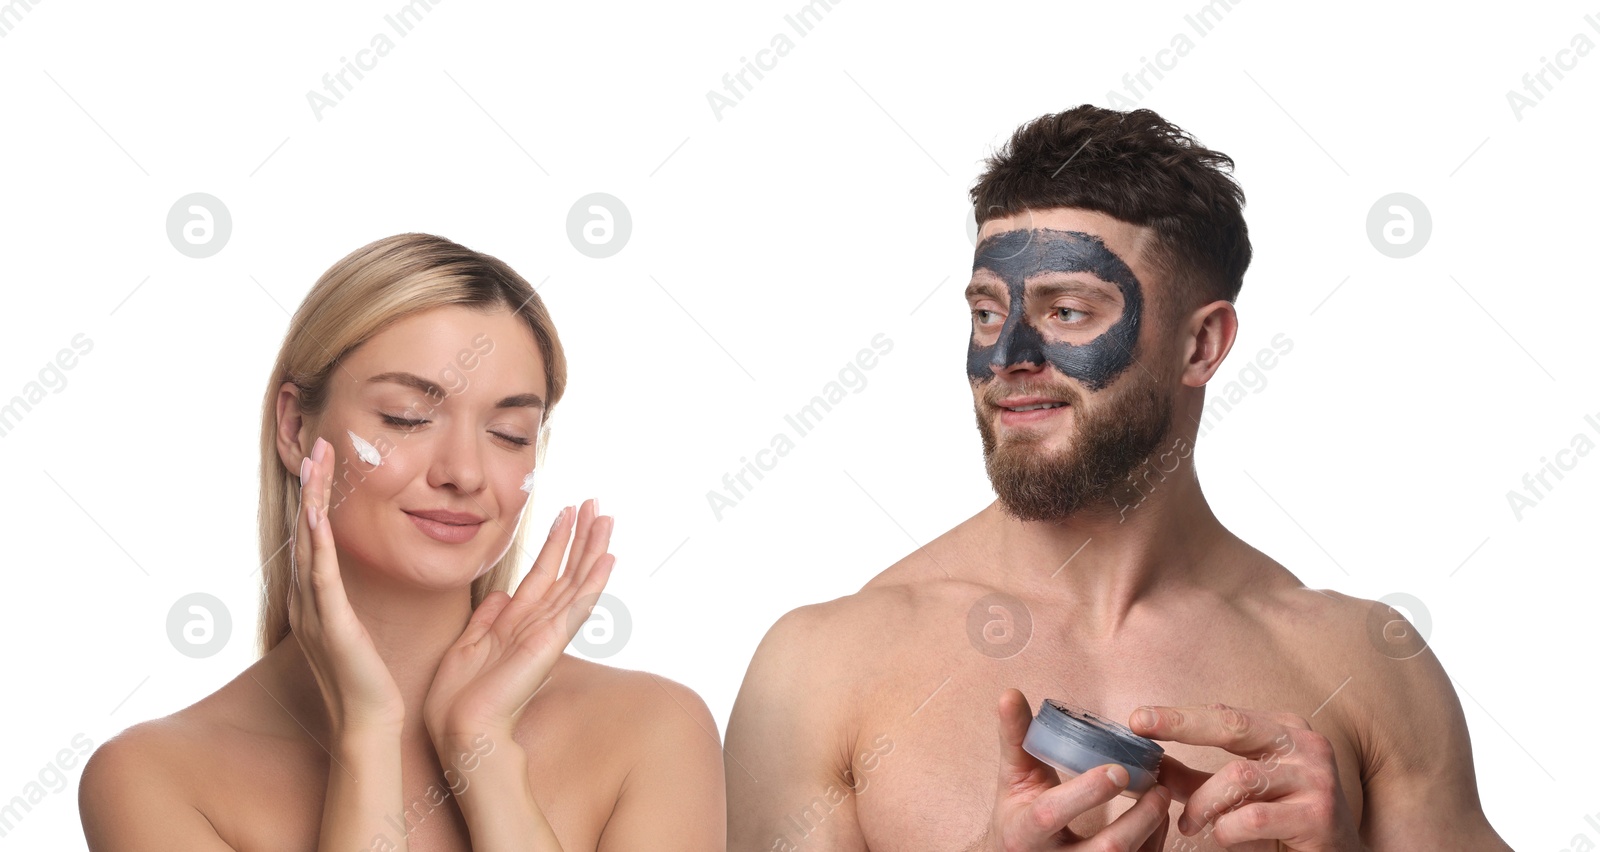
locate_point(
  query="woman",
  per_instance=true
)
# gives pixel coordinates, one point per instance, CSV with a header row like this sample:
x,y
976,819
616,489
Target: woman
x,y
405,699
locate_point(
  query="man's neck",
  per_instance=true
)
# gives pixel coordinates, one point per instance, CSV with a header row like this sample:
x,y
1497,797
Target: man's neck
x,y
1104,561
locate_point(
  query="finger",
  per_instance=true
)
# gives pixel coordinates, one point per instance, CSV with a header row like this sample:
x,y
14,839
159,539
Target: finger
x,y
587,596
1239,782
1157,840
544,567
1258,821
1244,732
574,584
1180,779
1017,767
300,551
484,617
325,585
327,462
1144,824
1060,805
580,538
595,581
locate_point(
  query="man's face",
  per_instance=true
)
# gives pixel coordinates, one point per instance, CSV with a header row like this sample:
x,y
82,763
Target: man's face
x,y
1057,299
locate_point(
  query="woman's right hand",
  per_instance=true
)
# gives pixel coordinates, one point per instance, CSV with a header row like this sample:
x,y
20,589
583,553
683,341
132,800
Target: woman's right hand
x,y
357,688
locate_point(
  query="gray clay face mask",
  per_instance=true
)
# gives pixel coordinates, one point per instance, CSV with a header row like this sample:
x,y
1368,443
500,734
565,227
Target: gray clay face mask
x,y
1013,256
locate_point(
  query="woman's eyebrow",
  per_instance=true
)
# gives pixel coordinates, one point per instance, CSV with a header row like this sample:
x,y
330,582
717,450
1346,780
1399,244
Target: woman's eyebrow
x,y
434,391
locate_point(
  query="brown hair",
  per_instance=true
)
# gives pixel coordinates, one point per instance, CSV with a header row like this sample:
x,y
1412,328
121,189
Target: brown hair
x,y
1137,167
365,292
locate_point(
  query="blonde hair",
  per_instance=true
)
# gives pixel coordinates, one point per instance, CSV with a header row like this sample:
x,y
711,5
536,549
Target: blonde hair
x,y
365,292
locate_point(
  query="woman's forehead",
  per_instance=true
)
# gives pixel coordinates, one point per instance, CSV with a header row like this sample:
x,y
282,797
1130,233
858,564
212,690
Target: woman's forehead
x,y
456,348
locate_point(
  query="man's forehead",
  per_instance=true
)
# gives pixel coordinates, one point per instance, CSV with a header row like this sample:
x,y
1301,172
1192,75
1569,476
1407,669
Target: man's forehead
x,y
1034,245
1125,239
1013,252
1104,225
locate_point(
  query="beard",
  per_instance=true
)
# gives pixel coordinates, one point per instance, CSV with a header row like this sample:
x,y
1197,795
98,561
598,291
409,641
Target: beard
x,y
1110,439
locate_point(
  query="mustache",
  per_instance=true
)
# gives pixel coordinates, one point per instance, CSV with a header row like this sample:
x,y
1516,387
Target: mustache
x,y
995,393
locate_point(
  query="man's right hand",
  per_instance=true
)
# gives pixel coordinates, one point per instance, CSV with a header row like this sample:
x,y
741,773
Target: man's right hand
x,y
1031,809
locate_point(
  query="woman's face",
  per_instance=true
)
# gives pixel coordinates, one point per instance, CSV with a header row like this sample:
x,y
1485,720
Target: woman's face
x,y
450,400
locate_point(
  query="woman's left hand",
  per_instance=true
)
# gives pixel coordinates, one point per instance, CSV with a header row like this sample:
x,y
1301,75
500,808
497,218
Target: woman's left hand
x,y
512,642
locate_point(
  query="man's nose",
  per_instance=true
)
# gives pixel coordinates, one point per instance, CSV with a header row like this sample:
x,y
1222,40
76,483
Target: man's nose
x,y
1020,344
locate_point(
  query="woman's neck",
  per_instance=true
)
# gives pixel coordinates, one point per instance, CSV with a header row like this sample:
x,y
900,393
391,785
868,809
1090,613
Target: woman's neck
x,y
411,629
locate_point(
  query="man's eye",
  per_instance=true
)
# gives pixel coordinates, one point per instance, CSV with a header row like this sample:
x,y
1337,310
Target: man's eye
x,y
978,315
1071,311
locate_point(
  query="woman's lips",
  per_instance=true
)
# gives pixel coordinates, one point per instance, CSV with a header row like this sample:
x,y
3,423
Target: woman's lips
x,y
448,533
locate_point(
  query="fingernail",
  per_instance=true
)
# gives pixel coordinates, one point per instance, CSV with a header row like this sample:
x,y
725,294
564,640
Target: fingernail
x,y
1185,825
311,517
560,516
1118,775
319,450
1145,717
305,470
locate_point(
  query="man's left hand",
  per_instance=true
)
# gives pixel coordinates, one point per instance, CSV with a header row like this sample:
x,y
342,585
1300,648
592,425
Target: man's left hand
x,y
1285,787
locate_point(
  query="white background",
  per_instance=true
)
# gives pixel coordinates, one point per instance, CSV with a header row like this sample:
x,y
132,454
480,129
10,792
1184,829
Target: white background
x,y
769,245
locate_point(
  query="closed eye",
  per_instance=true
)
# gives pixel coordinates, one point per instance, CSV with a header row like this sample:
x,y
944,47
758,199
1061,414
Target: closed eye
x,y
412,424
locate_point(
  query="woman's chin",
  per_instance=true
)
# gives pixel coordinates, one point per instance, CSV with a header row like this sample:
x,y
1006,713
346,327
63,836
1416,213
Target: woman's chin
x,y
438,574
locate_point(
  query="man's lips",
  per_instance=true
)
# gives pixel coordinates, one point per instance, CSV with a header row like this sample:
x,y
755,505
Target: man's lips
x,y
1030,403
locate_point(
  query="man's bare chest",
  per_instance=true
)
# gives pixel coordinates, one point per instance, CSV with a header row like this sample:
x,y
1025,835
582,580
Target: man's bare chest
x,y
927,736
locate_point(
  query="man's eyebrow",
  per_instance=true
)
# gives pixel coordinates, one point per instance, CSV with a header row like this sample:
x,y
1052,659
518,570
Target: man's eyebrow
x,y
432,389
1070,287
984,288
1044,289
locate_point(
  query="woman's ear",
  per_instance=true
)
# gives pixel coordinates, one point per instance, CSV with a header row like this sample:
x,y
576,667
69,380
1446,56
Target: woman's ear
x,y
290,425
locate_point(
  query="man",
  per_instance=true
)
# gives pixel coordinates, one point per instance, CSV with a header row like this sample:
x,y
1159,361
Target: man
x,y
1110,251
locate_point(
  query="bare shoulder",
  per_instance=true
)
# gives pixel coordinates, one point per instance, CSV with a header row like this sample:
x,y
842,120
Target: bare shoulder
x,y
136,793
821,648
656,741
1408,703
828,650
627,702
819,664
1372,643
1400,708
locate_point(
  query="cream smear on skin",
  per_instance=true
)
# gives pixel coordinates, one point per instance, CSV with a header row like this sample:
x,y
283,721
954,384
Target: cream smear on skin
x,y
365,451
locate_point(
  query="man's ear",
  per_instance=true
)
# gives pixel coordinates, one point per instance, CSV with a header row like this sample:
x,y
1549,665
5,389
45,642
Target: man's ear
x,y
290,428
1208,337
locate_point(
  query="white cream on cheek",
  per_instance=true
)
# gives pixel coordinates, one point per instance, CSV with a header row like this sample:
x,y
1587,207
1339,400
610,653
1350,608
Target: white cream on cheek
x,y
364,450
527,481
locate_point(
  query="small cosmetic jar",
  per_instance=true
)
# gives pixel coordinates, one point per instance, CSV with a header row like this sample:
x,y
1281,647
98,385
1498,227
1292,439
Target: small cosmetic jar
x,y
1075,741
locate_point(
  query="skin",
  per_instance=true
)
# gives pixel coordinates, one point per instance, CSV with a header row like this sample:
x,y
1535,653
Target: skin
x,y
391,692
1259,683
